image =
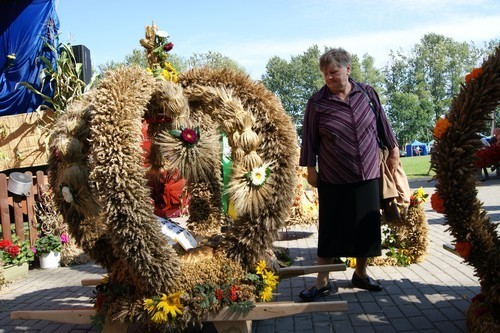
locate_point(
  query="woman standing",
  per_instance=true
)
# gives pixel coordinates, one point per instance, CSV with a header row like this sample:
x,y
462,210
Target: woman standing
x,y
340,134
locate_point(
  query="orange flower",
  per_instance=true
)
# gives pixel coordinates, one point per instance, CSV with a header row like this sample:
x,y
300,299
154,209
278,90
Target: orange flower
x,y
441,126
437,203
463,248
474,74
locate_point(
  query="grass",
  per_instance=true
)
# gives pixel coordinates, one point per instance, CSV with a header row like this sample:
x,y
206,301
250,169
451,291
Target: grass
x,y
417,166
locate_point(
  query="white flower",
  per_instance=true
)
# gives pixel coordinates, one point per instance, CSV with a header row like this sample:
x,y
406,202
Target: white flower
x,y
258,176
68,196
162,34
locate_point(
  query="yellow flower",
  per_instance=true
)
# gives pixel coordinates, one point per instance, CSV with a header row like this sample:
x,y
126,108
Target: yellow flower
x,y
352,262
159,317
170,304
267,294
165,306
149,305
149,70
270,279
261,266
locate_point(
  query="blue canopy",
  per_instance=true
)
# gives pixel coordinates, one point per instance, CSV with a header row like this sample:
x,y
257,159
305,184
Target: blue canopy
x,y
411,149
25,29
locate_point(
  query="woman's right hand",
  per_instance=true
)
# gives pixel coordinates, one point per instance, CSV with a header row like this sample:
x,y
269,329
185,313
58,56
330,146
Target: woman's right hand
x,y
312,176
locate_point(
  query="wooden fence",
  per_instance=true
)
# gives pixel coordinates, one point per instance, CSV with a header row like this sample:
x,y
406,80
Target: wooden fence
x,y
17,212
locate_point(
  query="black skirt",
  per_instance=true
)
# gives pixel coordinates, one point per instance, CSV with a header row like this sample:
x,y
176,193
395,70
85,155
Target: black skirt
x,y
349,220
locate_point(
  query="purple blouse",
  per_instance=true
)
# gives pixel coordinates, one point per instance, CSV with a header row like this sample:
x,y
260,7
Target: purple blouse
x,y
342,135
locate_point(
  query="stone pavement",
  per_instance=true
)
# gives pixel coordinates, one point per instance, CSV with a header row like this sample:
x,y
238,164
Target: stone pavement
x,y
431,296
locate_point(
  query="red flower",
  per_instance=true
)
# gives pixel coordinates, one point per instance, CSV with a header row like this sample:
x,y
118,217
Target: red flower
x,y
437,203
189,136
219,294
474,74
232,293
168,47
5,244
463,248
13,250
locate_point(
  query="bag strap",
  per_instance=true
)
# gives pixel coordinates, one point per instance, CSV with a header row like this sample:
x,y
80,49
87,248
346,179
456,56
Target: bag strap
x,y
377,114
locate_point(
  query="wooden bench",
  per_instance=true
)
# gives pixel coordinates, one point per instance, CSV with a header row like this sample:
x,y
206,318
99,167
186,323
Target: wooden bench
x,y
225,321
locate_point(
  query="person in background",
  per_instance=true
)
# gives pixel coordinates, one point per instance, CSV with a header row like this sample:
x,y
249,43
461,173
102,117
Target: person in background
x,y
340,135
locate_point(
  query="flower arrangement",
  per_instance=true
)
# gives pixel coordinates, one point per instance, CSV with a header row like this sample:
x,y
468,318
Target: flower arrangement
x,y
258,176
239,294
48,243
15,252
157,47
264,280
418,197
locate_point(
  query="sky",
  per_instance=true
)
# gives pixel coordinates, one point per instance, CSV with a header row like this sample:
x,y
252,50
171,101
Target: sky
x,y
251,32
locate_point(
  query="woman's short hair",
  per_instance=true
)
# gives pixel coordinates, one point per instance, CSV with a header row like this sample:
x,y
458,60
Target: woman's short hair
x,y
338,57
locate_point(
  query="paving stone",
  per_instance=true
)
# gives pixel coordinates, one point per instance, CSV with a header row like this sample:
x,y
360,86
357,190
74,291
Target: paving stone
x,y
428,297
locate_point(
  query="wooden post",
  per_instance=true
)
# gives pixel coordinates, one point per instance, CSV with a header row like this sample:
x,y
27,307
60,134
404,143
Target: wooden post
x,y
4,208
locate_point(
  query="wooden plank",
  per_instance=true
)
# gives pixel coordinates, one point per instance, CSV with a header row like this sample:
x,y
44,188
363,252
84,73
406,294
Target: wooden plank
x,y
4,208
261,311
91,282
233,326
269,310
30,212
18,203
41,182
288,272
70,316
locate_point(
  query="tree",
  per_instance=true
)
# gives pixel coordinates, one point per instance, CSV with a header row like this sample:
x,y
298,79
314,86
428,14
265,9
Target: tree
x,y
214,60
432,75
294,82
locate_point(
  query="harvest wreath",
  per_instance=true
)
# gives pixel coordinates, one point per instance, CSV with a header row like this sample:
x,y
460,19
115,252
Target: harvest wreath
x,y
454,161
96,155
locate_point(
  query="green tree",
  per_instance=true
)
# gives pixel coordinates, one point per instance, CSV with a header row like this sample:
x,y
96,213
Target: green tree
x,y
432,75
213,59
294,82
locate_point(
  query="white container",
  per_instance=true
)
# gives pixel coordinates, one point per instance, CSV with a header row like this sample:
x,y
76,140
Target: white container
x,y
50,260
19,183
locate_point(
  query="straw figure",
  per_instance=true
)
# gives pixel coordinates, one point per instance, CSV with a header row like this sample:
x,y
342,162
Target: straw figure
x,y
97,163
454,159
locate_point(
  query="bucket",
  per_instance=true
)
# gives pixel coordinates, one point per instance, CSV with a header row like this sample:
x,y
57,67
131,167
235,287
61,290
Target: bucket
x,y
19,183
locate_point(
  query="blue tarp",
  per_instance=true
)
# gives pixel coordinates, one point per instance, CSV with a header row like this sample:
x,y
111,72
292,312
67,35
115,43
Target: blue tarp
x,y
410,149
25,27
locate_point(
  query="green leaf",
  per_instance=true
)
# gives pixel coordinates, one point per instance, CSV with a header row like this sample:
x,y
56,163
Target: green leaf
x,y
175,133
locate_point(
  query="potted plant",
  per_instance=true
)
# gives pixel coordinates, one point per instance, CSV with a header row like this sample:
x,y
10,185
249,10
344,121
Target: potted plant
x,y
15,256
48,248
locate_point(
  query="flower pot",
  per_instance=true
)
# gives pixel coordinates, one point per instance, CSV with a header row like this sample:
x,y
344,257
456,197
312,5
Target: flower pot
x,y
50,260
12,272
